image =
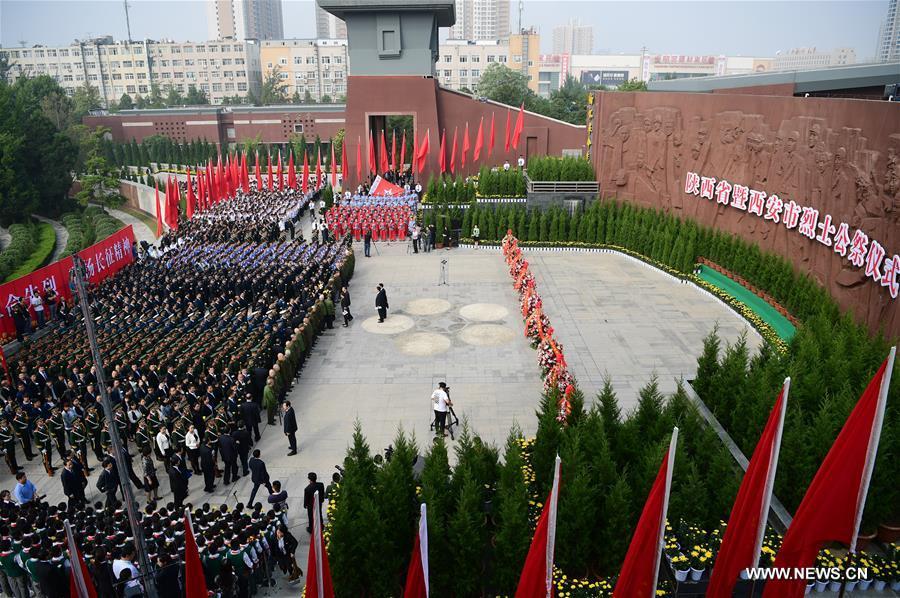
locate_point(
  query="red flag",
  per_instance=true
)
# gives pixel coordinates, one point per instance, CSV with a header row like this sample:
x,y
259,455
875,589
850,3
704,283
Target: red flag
x,y
358,159
479,141
402,164
271,176
747,524
80,583
443,156
638,574
383,159
318,574
373,167
319,181
159,218
304,184
417,575
280,175
245,176
194,581
491,140
520,124
537,574
414,162
333,167
259,184
211,187
292,174
176,202
506,142
198,206
833,505
465,146
393,150
190,195
221,184
423,150
344,168
226,177
453,152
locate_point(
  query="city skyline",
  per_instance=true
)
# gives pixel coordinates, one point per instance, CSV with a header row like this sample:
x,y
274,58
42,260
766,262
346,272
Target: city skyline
x,y
665,26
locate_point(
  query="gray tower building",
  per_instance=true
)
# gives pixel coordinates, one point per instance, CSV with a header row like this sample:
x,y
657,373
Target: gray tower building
x,y
244,19
888,48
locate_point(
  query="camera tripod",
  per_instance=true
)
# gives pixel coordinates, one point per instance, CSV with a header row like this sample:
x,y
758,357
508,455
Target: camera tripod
x,y
452,420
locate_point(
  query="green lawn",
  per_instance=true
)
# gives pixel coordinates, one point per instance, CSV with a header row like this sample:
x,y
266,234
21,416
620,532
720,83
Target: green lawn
x,y
767,312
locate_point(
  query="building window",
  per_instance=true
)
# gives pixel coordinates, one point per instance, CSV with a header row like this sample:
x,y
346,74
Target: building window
x,y
298,60
338,59
139,63
463,58
448,58
310,60
282,61
117,76
283,76
298,127
213,48
179,75
476,73
338,74
63,52
201,48
447,74
517,59
239,61
463,73
326,60
501,58
242,87
229,87
176,63
129,88
166,75
216,87
188,50
163,63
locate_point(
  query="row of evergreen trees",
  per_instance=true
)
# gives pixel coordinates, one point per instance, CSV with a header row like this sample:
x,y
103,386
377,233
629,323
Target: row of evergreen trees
x,y
445,189
553,168
500,183
481,512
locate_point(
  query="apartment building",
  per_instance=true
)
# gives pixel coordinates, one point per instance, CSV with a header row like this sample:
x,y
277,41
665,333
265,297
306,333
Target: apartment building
x,y
220,69
244,19
461,62
481,20
317,66
573,38
329,26
525,55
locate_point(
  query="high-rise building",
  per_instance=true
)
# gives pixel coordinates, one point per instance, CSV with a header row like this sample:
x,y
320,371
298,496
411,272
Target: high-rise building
x,y
317,67
244,19
525,55
481,19
889,38
329,26
811,58
573,38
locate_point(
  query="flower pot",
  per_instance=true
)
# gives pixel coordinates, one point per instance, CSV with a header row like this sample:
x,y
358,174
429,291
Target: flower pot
x,y
681,575
809,588
864,584
850,586
889,532
821,585
895,585
878,585
696,574
834,586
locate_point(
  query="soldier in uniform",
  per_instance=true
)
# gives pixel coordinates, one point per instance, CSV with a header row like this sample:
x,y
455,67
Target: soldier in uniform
x,y
92,422
22,426
43,441
8,442
58,430
78,438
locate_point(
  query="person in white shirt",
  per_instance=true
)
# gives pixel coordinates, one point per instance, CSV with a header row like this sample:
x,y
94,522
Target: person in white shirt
x,y
192,444
441,401
506,165
476,235
120,564
37,304
164,446
521,162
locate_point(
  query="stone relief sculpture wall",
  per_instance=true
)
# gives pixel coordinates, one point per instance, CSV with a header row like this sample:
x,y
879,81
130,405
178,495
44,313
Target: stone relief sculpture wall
x,y
816,180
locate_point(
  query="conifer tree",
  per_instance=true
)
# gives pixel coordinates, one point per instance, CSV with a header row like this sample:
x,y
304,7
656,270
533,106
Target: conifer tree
x,y
437,494
467,538
534,218
513,533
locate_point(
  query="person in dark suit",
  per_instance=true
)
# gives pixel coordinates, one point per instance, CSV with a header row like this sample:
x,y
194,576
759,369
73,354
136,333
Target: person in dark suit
x,y
284,548
178,480
345,306
243,442
109,483
251,417
49,576
228,450
167,580
309,494
381,302
259,475
290,427
72,486
208,467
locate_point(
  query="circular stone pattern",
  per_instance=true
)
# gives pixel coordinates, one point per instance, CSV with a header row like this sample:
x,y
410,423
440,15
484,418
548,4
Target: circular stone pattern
x,y
487,335
483,312
392,325
426,307
422,344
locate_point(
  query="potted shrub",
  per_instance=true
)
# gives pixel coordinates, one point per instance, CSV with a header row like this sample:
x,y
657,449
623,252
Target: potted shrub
x,y
698,559
681,567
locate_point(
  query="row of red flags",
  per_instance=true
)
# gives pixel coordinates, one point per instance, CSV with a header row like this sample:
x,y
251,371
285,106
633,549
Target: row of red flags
x,y
830,511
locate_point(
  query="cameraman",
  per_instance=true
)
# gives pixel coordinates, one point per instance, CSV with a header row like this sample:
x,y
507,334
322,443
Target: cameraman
x,y
441,399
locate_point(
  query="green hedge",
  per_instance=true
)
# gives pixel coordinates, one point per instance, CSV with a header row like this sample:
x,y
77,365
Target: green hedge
x,y
500,183
445,189
552,168
42,245
20,248
92,225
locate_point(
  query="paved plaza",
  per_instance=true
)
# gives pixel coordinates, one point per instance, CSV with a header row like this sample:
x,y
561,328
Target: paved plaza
x,y
612,314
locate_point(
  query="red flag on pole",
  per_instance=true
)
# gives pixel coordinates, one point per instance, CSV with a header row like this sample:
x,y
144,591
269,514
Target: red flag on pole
x,y
520,124
304,184
271,176
358,159
194,581
479,141
333,167
172,201
537,574
383,158
402,164
491,139
393,150
221,183
344,168
417,575
638,574
292,173
747,524
190,195
159,218
414,162
423,150
453,152
245,175
226,176
465,147
80,583
259,184
198,206
832,508
373,167
210,179
443,156
318,574
506,142
280,174
319,182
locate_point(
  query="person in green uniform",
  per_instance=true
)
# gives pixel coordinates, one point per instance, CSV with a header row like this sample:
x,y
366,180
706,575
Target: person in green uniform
x,y
15,574
42,440
8,442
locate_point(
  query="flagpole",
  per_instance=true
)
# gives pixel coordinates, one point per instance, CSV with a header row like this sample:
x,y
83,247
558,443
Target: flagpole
x,y
551,527
660,542
317,537
770,475
423,546
872,451
75,562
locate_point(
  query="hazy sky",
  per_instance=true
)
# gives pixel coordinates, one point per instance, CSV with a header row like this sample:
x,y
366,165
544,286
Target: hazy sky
x,y
747,27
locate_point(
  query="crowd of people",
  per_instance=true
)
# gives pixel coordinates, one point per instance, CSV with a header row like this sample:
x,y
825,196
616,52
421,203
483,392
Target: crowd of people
x,y
200,337
383,222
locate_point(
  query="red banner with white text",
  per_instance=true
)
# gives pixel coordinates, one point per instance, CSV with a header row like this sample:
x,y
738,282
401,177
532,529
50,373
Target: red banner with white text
x,y
102,260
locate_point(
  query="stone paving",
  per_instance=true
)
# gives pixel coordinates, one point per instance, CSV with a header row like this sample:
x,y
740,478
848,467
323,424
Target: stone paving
x,y
62,236
142,232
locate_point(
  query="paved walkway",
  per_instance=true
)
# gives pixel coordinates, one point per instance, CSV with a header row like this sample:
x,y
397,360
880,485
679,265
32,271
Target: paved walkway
x,y
142,232
5,238
62,236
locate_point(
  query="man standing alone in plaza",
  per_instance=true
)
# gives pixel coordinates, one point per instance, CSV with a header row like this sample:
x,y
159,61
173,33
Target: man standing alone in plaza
x,y
367,242
290,427
381,302
441,401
